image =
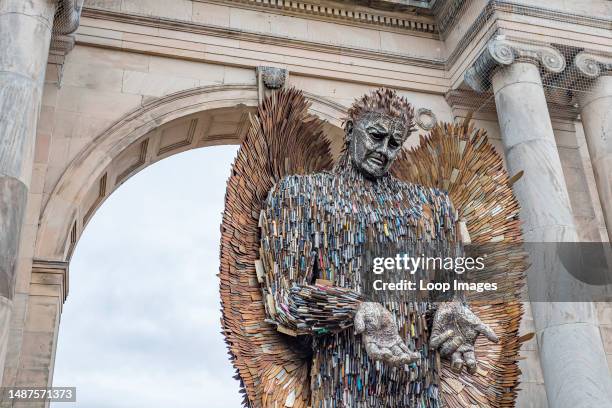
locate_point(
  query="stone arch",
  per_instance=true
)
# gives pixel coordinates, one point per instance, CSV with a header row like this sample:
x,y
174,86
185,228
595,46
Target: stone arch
x,y
198,117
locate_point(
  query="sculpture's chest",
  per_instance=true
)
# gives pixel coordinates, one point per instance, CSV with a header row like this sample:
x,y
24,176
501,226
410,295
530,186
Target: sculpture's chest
x,y
383,213
347,222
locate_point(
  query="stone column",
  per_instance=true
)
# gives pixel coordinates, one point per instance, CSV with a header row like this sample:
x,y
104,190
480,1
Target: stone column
x,y
571,351
25,34
596,113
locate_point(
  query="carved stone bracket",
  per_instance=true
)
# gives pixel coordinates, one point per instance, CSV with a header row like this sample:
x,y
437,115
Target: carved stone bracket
x,y
50,277
500,51
592,65
270,78
61,45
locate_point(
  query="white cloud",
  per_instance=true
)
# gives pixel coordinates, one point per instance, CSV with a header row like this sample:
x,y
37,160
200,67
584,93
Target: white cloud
x,y
141,323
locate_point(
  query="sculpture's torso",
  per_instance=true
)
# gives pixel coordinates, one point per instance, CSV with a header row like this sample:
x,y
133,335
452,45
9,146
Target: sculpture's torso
x,y
330,220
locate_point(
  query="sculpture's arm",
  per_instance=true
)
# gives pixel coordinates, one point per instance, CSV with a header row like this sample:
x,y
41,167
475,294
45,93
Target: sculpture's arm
x,y
315,309
296,301
455,327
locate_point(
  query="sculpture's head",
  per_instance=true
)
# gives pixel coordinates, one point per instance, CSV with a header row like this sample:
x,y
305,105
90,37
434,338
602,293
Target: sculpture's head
x,y
377,126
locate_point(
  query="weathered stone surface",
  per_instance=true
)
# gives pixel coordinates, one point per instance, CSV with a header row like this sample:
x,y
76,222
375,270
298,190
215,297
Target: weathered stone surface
x,y
532,396
24,40
529,142
19,107
606,336
571,349
596,112
5,317
12,207
575,353
25,34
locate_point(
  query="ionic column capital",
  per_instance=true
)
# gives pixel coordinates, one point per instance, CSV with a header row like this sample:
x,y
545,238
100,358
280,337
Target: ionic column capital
x,y
501,51
593,65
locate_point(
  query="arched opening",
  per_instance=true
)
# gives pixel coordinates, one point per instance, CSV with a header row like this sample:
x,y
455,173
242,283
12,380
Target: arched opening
x,y
141,326
199,117
187,120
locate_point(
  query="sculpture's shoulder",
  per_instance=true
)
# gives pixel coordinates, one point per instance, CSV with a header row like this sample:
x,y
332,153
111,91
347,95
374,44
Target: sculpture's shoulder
x,y
437,199
303,187
426,193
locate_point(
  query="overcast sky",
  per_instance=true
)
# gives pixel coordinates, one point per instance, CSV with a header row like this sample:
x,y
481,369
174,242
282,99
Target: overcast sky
x,y
140,327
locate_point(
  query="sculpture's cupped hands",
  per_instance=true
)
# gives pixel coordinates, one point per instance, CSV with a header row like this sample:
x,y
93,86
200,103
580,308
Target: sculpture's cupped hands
x,y
454,332
382,341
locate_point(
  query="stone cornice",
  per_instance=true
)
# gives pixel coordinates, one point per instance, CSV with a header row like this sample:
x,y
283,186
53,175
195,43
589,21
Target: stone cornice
x,y
500,51
395,5
445,12
486,15
204,29
592,65
342,13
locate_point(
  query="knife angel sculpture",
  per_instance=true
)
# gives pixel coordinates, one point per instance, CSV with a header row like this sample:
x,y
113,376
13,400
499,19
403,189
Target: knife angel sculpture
x,y
299,325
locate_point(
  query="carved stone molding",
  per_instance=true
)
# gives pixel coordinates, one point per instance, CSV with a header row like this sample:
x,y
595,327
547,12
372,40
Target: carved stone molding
x,y
593,65
61,45
407,20
50,274
263,38
501,51
272,77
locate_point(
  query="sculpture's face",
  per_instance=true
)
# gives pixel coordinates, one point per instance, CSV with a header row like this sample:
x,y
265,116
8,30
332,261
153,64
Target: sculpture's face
x,y
375,140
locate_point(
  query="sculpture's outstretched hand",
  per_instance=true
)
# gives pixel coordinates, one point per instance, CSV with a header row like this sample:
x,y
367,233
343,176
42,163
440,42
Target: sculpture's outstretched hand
x,y
454,332
380,336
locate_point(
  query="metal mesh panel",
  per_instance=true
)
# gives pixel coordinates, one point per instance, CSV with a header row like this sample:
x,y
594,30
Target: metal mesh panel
x,y
66,21
562,85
